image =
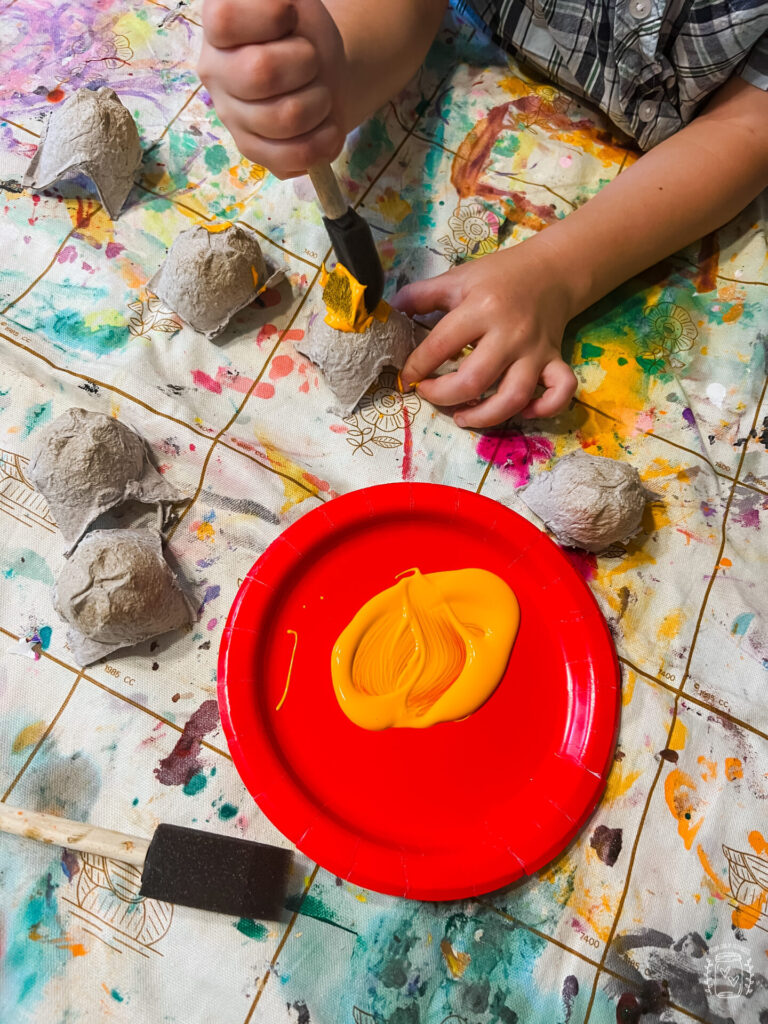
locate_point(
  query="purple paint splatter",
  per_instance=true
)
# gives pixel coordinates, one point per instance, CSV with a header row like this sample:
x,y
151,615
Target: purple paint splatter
x,y
182,763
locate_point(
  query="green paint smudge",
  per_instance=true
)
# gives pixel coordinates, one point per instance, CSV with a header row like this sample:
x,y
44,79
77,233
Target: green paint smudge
x,y
36,416
195,784
590,351
27,563
216,158
253,929
227,811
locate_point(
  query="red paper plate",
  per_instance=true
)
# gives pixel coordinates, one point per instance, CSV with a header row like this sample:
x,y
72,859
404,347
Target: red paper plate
x,y
457,809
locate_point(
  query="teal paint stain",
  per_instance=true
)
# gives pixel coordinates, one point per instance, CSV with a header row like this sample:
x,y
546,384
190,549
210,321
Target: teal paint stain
x,y
216,158
313,906
27,563
253,929
197,783
135,801
36,416
372,141
45,632
32,956
741,623
116,995
227,811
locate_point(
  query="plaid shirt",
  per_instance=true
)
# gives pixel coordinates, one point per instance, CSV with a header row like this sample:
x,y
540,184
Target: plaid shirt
x,y
648,64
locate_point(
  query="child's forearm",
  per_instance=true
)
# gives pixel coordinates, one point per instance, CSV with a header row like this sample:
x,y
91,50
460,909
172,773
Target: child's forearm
x,y
692,183
385,43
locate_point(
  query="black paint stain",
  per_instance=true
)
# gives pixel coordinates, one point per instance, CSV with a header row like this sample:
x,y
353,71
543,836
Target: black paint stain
x,y
569,993
302,1012
607,842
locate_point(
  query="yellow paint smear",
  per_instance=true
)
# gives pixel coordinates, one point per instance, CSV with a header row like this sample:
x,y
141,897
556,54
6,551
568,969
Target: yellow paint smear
x,y
428,649
456,961
28,736
679,735
344,300
290,632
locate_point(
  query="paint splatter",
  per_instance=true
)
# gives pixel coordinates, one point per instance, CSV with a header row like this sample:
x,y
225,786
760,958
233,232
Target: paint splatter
x,y
569,993
227,811
607,843
253,929
182,764
515,454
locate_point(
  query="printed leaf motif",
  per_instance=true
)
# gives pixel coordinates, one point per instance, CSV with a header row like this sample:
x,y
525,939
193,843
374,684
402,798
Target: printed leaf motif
x,y
362,1016
136,305
166,326
383,441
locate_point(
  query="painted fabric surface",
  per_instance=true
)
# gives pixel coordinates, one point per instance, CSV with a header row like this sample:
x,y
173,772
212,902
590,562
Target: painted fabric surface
x,y
661,900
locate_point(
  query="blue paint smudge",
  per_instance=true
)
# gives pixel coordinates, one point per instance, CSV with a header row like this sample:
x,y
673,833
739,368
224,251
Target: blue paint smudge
x,y
25,562
36,416
741,623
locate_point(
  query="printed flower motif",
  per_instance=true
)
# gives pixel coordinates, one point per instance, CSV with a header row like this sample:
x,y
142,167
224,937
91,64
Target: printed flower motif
x,y
671,327
474,231
385,408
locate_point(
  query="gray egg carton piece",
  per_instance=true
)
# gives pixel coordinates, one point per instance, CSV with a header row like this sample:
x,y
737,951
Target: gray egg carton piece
x,y
350,361
208,276
91,131
118,590
589,501
86,463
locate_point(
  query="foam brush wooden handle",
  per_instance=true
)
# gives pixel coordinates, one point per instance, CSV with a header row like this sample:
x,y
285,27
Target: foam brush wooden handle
x,y
75,835
326,186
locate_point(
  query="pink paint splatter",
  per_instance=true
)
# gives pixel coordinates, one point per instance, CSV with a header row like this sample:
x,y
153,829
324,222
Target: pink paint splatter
x,y
339,428
264,390
267,331
281,367
113,249
212,623
193,448
407,446
67,255
232,379
514,454
204,381
584,562
644,421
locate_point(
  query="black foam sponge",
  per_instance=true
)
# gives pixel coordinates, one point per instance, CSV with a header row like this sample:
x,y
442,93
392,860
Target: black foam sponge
x,y
355,249
214,872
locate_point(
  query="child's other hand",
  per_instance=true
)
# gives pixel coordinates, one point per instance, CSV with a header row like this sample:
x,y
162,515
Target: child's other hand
x,y
512,307
274,69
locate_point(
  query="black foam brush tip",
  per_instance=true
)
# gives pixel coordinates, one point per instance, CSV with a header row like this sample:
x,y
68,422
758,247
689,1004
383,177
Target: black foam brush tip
x,y
355,249
215,872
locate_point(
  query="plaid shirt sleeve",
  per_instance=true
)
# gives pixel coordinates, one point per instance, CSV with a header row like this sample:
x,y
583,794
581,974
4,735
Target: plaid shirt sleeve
x,y
650,65
755,70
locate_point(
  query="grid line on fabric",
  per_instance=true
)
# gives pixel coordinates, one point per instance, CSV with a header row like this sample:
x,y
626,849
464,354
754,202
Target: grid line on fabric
x,y
42,274
281,944
42,739
678,695
5,120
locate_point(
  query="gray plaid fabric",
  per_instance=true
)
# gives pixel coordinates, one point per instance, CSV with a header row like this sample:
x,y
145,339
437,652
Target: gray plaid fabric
x,y
649,64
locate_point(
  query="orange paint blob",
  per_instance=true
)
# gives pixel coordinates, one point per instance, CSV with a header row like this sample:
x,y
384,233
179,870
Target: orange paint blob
x,y
428,649
679,793
344,299
733,768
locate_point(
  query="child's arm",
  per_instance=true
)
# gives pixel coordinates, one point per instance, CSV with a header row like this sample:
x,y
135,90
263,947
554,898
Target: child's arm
x,y
290,78
514,304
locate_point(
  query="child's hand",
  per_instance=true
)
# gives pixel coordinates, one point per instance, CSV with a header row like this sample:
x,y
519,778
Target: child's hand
x,y
275,69
512,307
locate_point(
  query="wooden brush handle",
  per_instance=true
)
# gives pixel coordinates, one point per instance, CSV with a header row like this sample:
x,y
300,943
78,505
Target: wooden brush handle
x,y
328,192
75,835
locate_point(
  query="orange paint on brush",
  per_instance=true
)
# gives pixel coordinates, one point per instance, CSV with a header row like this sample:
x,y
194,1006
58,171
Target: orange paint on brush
x,y
428,649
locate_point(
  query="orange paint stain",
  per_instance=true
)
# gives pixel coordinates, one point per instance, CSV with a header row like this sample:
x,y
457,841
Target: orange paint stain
x,y
619,783
733,769
757,842
710,767
725,563
679,793
719,889
456,962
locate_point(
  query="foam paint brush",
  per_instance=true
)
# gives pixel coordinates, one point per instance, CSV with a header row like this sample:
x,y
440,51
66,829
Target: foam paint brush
x,y
178,865
350,235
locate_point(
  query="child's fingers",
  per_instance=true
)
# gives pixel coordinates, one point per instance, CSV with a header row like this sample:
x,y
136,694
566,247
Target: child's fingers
x,y
422,297
475,375
286,158
229,23
284,117
457,329
263,72
513,394
560,383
